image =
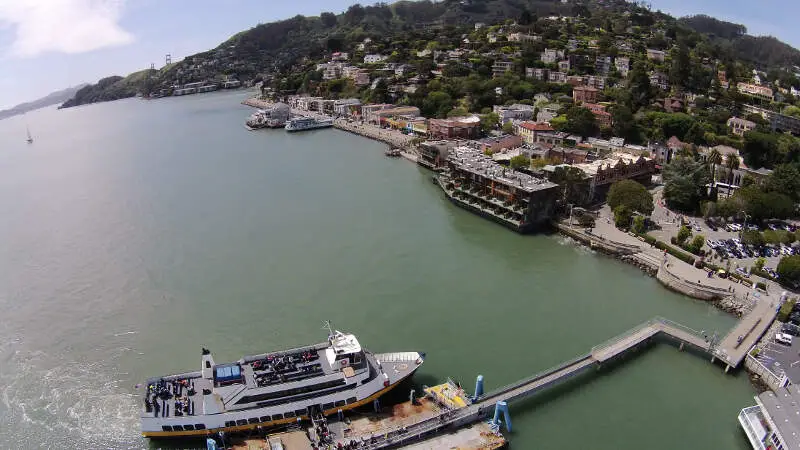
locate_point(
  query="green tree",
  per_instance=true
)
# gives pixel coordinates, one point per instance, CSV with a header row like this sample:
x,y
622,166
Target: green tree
x,y
328,19
789,270
758,266
508,127
489,121
713,159
681,65
697,244
683,234
785,179
632,195
520,162
638,225
641,92
731,165
753,238
458,111
771,237
759,149
573,183
624,125
685,183
622,216
581,121
761,205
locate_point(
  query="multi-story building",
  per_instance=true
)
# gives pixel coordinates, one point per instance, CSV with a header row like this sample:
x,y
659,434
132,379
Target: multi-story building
x,y
501,67
513,112
361,78
380,116
529,131
659,80
433,154
537,73
602,64
777,121
521,37
496,143
557,77
342,107
564,65
584,94
595,81
656,55
740,126
455,128
772,423
602,116
340,56
513,199
367,112
623,65
550,56
617,167
754,90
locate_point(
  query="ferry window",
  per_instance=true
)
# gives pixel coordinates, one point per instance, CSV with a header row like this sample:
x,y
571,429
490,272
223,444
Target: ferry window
x,y
299,412
241,422
166,428
327,405
188,427
277,416
340,402
177,428
230,423
252,420
199,426
208,364
289,414
264,418
351,400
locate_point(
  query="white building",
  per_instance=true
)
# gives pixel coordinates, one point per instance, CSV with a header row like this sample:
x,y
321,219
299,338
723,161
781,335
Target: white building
x,y
374,59
623,65
656,55
773,422
551,56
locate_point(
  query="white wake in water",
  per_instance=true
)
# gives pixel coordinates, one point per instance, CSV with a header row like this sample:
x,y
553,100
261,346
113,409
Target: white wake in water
x,y
51,403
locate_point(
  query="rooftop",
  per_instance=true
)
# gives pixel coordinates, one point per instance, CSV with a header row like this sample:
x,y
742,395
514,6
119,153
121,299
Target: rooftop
x,y
783,409
472,160
615,158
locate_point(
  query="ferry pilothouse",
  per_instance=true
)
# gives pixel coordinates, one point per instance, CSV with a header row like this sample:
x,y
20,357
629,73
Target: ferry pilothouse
x,y
272,389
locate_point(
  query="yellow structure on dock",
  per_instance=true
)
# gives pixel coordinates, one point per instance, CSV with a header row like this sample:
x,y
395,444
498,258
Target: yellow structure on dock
x,y
448,395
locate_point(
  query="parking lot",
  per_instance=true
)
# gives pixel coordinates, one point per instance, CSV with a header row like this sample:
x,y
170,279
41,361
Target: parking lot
x,y
781,358
740,256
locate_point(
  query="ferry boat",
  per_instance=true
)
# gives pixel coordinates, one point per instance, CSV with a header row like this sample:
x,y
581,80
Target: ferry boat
x,y
307,123
272,389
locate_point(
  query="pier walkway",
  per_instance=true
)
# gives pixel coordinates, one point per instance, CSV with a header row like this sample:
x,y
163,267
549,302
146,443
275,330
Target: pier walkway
x,y
483,406
733,348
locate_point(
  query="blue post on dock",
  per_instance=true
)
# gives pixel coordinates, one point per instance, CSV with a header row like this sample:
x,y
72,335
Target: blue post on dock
x,y
502,407
211,444
478,388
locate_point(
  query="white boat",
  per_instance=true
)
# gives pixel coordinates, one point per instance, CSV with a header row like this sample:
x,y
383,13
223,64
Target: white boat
x,y
272,389
307,123
30,138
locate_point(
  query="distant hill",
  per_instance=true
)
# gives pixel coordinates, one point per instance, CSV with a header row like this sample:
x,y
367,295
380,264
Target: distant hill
x,y
109,88
53,98
763,51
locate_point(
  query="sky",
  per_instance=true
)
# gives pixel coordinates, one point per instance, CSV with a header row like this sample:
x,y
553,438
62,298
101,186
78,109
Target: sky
x,y
47,45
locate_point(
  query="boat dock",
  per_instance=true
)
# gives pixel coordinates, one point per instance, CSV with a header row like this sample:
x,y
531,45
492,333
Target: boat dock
x,y
447,417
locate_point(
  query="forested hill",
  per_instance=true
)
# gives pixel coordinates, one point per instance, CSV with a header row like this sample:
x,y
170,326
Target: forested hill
x,y
763,51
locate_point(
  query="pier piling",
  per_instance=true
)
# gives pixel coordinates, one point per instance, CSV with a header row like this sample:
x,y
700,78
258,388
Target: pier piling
x,y
478,387
502,407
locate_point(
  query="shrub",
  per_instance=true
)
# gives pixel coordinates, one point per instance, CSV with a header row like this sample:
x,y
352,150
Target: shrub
x,y
789,269
683,235
697,244
683,256
785,310
586,220
761,285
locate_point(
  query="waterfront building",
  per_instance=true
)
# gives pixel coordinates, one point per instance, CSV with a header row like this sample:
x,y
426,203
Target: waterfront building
x,y
367,113
231,84
618,166
455,128
433,154
513,112
342,107
514,199
773,424
380,116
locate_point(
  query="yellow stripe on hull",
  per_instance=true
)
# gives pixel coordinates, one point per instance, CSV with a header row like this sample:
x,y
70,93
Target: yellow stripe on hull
x,y
273,423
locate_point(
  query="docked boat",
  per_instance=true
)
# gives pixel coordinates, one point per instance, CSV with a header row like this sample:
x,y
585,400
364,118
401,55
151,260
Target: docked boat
x,y
274,116
272,389
307,123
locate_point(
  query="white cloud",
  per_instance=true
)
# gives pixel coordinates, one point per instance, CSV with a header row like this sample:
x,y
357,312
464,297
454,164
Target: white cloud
x,y
65,26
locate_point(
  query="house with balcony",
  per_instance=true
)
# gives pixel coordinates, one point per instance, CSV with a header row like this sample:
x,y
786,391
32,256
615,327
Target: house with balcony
x,y
529,131
551,56
740,126
374,59
755,90
537,73
623,65
659,80
501,67
584,94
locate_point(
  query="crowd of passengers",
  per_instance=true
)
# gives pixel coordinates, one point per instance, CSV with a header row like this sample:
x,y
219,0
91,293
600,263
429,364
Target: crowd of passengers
x,y
157,396
279,368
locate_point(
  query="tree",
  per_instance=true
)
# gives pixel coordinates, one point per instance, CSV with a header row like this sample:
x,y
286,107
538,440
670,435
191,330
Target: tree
x,y
458,111
713,159
328,19
641,92
785,179
683,235
581,121
759,149
573,183
622,216
631,195
695,135
731,164
754,238
489,121
772,237
789,269
758,266
685,183
508,127
761,205
624,125
681,65
697,244
519,162
638,225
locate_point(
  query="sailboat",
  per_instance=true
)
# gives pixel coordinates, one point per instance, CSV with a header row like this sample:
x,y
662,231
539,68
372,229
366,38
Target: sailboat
x,y
30,138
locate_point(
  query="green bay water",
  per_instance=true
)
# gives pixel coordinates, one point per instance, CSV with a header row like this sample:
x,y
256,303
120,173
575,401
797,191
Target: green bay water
x,y
136,232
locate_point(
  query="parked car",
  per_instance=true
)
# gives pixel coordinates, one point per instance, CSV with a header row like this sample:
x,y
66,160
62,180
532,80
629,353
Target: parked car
x,y
790,328
783,338
710,223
